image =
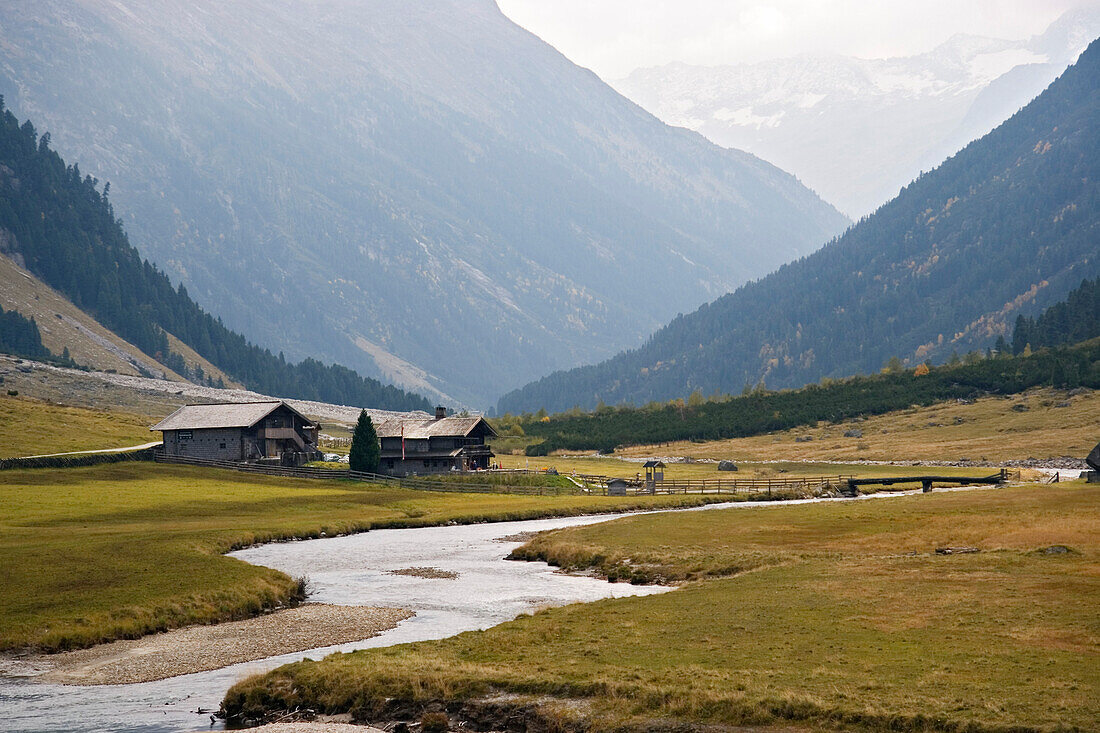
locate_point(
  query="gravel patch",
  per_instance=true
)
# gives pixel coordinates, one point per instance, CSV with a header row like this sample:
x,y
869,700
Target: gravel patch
x,y
431,573
203,648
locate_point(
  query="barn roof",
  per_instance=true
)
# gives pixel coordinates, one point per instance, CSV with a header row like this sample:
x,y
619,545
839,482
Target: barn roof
x,y
653,464
420,429
221,415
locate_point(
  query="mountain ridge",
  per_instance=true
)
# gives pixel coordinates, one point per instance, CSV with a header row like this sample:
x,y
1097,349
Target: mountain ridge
x,y
857,130
57,224
430,180
1003,228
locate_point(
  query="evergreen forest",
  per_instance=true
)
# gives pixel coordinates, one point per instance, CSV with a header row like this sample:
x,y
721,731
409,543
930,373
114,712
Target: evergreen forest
x,y
1075,319
762,411
20,336
58,222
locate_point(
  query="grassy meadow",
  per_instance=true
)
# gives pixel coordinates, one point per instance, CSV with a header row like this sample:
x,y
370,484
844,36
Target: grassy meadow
x,y
813,617
1041,423
32,427
616,466
117,551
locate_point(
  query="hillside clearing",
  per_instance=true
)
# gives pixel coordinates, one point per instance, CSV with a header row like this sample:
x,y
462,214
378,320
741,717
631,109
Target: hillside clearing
x,y
29,427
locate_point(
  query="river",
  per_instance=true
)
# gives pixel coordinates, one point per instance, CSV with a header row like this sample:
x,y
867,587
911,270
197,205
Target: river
x,y
350,570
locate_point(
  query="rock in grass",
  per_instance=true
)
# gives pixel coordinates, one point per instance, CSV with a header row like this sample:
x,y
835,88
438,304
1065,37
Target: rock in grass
x,y
727,466
853,433
1093,458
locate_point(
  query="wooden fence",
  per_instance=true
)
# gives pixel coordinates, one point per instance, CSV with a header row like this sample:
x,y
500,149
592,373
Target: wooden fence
x,y
589,484
421,483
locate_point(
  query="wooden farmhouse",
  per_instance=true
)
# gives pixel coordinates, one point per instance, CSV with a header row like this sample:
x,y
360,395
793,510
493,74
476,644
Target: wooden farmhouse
x,y
242,431
434,445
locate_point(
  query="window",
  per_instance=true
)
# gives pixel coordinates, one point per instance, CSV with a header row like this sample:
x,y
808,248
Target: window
x,y
222,446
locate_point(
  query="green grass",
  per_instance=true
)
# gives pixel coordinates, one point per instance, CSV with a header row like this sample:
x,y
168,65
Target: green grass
x,y
117,551
837,616
612,466
30,427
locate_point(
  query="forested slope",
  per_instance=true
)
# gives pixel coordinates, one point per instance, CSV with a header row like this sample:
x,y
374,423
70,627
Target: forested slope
x,y
1077,318
764,411
56,223
1005,227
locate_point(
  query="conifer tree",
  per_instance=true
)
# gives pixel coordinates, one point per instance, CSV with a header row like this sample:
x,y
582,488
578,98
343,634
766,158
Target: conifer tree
x,y
365,453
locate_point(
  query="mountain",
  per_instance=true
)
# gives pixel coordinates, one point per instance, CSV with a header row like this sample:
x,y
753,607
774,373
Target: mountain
x,y
57,225
857,130
64,330
419,190
1005,227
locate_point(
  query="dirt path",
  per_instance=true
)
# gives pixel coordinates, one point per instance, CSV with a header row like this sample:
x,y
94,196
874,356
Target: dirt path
x,y
202,648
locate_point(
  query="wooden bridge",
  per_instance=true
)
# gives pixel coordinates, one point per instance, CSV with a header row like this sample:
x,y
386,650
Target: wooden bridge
x,y
927,481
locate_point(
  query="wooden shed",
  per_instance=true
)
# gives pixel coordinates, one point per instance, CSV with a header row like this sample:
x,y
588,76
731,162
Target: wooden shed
x,y
434,445
241,431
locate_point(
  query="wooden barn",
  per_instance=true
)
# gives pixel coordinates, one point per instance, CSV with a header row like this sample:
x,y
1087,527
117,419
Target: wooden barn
x,y
434,445
241,431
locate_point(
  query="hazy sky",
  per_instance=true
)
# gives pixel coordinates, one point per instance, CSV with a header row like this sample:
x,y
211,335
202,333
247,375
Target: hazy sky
x,y
614,37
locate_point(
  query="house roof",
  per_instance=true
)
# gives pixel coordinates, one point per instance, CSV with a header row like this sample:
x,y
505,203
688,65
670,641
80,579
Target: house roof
x,y
420,429
653,464
221,415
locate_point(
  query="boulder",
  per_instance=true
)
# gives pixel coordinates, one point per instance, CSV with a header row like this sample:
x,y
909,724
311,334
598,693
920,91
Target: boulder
x,y
1093,458
803,439
853,433
727,466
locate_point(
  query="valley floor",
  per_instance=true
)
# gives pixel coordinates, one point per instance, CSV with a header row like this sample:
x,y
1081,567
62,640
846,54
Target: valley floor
x,y
840,615
89,555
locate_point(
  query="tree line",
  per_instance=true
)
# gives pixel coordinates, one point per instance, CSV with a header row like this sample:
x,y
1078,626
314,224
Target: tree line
x,y
762,411
1075,319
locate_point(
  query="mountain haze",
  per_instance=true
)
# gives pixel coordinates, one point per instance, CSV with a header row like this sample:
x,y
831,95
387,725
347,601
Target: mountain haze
x,y
857,130
422,191
56,225
1005,227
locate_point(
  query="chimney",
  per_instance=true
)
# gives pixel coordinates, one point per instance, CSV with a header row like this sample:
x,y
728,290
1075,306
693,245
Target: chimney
x,y
440,412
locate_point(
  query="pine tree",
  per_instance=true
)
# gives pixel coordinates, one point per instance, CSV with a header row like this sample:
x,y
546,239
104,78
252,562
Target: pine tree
x,y
365,453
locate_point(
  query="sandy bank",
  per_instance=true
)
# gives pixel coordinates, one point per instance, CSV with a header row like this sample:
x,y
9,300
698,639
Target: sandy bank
x,y
202,648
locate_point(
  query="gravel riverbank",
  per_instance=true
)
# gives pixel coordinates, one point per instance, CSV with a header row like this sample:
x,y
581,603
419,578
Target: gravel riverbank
x,y
202,648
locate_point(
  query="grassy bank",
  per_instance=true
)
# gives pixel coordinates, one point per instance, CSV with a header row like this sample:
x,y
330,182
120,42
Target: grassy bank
x,y
839,615
93,554
30,427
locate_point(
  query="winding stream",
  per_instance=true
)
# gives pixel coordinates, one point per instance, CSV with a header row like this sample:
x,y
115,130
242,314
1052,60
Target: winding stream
x,y
351,570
